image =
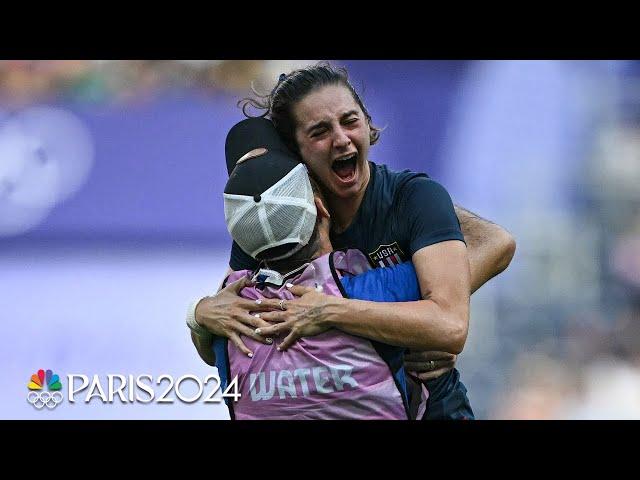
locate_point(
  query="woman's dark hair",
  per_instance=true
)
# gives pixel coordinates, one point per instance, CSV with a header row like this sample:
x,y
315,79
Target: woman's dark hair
x,y
292,88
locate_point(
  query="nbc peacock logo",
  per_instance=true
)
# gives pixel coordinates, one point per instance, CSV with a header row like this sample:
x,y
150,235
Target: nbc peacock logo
x,y
40,398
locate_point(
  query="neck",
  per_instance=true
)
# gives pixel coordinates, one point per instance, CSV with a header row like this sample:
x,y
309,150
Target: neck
x,y
324,247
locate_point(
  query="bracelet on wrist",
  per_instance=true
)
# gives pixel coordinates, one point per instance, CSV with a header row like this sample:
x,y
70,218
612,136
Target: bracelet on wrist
x,y
194,326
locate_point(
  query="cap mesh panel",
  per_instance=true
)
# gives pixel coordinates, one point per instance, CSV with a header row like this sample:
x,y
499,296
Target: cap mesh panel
x,y
288,207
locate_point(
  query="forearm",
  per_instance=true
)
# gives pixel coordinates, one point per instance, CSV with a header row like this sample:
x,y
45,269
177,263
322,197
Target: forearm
x,y
200,337
203,342
422,325
490,247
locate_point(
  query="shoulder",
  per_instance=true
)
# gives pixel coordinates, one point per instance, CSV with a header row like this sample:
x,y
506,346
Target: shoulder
x,y
388,184
382,174
425,190
428,213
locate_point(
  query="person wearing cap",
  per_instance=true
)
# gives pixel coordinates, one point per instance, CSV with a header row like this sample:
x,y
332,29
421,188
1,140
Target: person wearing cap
x,y
276,216
392,216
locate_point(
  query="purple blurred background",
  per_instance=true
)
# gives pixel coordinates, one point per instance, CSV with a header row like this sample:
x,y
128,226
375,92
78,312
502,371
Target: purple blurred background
x,y
111,218
159,163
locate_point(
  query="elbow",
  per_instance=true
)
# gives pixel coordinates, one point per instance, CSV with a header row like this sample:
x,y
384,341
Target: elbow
x,y
507,250
457,347
458,337
452,337
206,354
459,328
208,359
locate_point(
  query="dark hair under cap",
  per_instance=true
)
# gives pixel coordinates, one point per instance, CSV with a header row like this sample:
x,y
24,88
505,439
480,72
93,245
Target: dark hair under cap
x,y
254,176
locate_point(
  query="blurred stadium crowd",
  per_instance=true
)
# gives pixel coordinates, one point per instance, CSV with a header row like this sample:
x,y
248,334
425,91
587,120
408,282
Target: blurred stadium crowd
x,y
569,322
557,336
120,81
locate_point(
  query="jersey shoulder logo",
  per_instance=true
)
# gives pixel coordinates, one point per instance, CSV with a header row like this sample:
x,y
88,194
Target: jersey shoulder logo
x,y
387,255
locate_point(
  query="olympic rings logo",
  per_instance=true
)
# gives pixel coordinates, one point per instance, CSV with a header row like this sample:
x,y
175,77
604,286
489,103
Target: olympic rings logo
x,y
42,399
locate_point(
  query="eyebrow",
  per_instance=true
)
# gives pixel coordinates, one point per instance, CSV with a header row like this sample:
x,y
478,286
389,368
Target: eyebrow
x,y
324,123
349,113
317,125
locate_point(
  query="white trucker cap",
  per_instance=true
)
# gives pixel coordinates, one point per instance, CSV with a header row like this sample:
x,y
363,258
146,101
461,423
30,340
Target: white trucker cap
x,y
268,199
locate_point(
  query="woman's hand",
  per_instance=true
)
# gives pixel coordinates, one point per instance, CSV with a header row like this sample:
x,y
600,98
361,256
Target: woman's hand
x,y
306,316
228,315
428,365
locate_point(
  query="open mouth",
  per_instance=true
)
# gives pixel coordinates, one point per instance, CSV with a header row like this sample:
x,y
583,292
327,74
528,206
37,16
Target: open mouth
x,y
345,167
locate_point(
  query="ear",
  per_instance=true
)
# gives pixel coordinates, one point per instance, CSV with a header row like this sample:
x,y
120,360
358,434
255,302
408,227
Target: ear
x,y
322,210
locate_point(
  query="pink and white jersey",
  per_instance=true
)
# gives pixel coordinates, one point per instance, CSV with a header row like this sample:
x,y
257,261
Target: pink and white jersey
x,y
333,375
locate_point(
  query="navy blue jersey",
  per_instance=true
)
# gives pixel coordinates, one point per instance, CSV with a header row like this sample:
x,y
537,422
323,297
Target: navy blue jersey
x,y
402,212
